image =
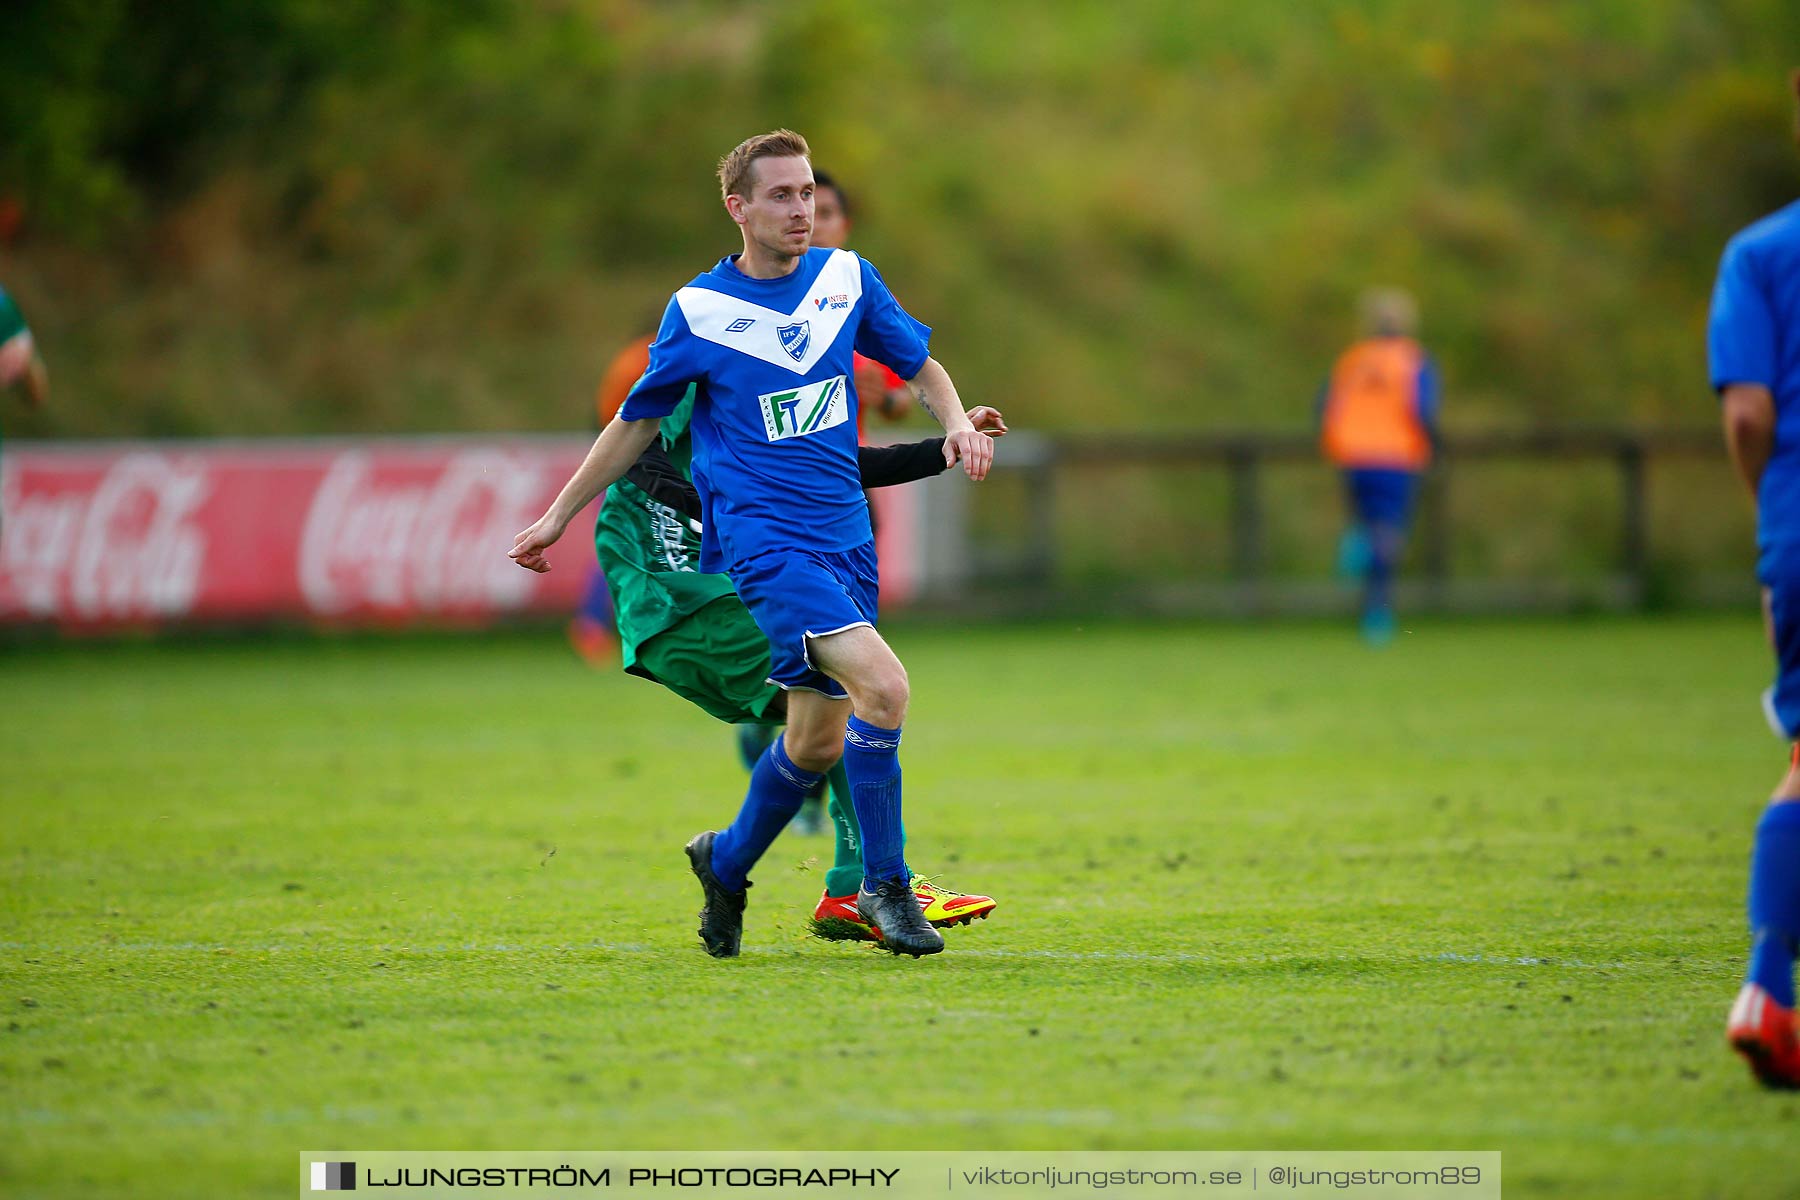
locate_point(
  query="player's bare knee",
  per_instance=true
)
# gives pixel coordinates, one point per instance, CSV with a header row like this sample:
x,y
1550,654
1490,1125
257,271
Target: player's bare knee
x,y
818,762
884,699
814,750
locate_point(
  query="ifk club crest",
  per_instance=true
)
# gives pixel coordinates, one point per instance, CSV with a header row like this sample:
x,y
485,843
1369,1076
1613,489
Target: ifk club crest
x,y
795,339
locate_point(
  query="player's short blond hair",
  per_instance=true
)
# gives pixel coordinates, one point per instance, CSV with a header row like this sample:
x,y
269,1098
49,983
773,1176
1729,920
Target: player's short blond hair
x,y
1389,312
734,168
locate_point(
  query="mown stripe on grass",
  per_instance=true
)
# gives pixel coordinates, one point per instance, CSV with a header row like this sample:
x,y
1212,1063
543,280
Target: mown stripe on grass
x,y
1177,956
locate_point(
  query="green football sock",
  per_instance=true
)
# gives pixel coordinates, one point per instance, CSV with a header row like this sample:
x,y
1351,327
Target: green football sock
x,y
845,875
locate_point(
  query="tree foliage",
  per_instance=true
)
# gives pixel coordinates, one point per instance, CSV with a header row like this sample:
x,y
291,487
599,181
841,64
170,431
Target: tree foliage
x,y
282,215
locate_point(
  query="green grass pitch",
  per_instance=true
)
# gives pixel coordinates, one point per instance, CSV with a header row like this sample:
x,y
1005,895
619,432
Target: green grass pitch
x,y
1259,888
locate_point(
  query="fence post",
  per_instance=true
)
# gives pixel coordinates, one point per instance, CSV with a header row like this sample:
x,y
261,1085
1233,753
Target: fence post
x,y
1437,531
1040,503
1245,461
1634,550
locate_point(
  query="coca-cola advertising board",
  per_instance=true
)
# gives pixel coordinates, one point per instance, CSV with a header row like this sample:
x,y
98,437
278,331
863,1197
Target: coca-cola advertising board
x,y
381,531
394,531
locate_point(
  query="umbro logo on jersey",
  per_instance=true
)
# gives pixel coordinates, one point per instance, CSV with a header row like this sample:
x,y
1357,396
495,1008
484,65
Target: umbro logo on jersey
x,y
805,410
795,339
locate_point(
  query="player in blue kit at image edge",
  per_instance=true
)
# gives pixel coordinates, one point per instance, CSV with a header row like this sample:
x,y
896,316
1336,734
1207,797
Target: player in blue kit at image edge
x,y
1753,348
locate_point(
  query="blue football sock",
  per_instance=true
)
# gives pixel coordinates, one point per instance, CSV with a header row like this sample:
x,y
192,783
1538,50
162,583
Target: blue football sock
x,y
1775,901
872,763
1378,576
777,788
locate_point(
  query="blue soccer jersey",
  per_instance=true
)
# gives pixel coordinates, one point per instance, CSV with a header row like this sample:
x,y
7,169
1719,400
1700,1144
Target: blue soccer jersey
x,y
774,424
1754,337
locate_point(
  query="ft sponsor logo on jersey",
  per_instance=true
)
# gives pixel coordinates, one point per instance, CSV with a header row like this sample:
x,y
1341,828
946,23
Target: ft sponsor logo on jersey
x,y
841,300
804,410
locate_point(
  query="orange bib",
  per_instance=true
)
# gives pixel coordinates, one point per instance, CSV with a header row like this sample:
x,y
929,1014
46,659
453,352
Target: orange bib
x,y
627,367
1372,409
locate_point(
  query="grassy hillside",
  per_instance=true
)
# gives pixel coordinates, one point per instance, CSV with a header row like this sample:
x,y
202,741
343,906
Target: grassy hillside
x,y
301,218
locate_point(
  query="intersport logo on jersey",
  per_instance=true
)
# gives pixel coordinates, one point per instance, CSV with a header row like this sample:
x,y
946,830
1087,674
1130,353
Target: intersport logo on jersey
x,y
805,410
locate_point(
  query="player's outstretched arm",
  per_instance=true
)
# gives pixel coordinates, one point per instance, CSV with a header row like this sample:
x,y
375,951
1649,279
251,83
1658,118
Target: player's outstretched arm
x,y
613,452
987,420
885,466
962,443
1748,410
36,381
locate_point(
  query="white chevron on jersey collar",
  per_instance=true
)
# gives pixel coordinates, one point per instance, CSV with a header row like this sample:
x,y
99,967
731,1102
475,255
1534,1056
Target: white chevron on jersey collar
x,y
711,314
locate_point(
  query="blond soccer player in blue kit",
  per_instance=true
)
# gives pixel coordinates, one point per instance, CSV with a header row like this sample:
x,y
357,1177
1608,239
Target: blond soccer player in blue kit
x,y
767,338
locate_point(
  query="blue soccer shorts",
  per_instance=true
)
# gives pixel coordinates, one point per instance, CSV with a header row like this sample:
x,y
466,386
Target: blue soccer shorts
x,y
1382,496
1779,570
794,595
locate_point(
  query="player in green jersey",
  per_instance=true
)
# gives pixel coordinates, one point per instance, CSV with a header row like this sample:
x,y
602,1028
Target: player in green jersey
x,y
689,631
20,362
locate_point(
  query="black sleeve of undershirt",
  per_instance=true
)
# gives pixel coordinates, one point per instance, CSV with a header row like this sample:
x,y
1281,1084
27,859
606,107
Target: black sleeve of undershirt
x,y
883,466
657,476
